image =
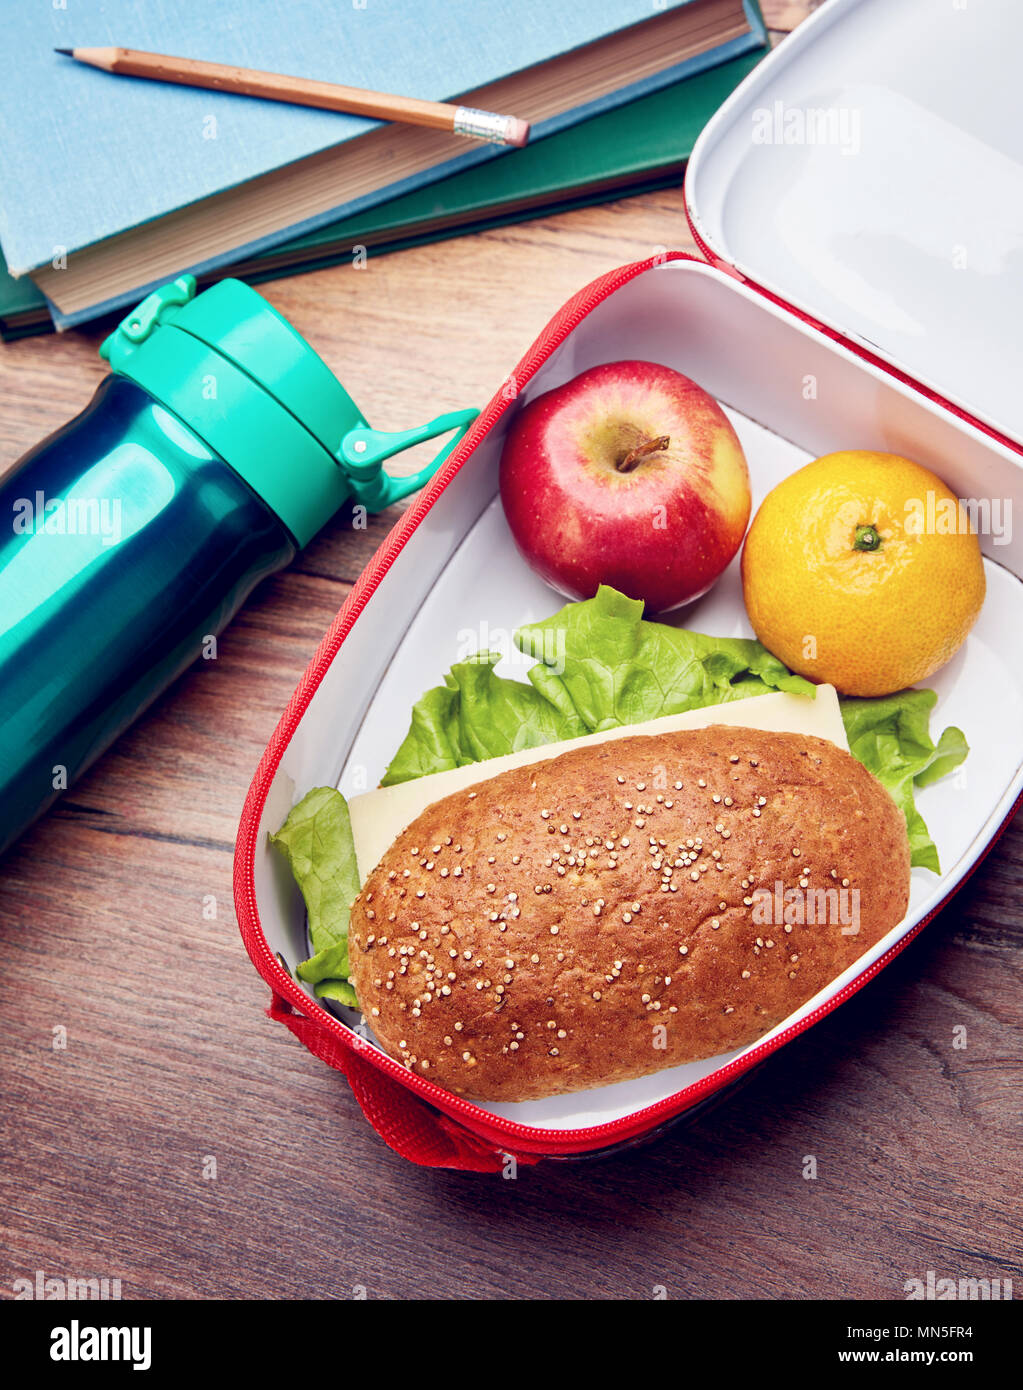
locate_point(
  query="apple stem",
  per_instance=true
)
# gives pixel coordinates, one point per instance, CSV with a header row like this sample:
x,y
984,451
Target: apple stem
x,y
642,451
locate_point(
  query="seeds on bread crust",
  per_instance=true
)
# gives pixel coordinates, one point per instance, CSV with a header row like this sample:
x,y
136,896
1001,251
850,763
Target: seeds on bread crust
x,y
638,889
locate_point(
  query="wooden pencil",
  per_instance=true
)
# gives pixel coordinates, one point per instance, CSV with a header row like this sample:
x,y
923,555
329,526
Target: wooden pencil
x,y
301,91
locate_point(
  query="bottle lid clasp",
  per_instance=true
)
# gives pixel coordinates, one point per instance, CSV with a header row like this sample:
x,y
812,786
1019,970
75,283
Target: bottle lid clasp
x,y
363,452
136,327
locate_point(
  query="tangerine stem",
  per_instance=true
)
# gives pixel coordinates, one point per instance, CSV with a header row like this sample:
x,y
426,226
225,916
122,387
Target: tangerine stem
x,y
867,538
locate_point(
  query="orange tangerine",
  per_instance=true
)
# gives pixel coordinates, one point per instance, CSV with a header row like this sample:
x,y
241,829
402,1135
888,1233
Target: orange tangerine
x,y
863,570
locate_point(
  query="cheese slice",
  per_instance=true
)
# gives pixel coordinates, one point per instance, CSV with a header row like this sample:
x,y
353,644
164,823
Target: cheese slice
x,y
379,817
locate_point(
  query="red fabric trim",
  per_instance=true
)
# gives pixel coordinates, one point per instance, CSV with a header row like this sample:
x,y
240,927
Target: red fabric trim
x,y
284,988
406,1124
415,1117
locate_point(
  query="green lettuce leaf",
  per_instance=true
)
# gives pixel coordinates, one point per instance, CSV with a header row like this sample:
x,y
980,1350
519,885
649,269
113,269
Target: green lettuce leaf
x,y
338,990
476,715
891,737
503,716
317,842
604,661
599,665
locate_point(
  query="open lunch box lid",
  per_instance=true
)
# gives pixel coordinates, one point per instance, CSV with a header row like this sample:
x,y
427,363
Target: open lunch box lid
x,y
746,335
869,173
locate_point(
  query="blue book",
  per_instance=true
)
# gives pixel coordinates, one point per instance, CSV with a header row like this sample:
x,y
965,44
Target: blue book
x,y
111,184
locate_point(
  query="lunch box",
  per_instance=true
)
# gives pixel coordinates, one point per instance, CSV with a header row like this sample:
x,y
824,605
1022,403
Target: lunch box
x,y
859,201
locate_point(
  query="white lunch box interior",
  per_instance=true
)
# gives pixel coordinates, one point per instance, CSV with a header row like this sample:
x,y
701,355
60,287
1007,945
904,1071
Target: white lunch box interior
x,y
866,240
870,173
459,582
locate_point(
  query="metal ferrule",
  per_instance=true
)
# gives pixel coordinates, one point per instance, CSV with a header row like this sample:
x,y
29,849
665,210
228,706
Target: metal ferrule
x,y
482,125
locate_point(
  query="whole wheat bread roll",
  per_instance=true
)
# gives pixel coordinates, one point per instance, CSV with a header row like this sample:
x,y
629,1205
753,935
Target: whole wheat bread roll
x,y
622,908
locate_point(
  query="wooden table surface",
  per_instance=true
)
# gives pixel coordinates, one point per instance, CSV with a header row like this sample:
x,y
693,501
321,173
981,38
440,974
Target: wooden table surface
x,y
183,1143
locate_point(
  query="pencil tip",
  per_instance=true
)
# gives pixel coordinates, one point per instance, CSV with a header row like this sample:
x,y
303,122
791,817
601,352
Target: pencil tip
x,y
69,52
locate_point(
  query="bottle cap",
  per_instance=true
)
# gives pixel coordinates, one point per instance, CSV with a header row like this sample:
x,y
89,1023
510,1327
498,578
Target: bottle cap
x,y
237,373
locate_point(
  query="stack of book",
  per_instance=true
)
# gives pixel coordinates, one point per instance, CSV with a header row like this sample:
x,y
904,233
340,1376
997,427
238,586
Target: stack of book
x,y
111,185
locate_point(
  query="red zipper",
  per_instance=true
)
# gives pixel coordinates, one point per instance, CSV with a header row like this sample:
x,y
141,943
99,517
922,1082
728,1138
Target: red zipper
x,y
502,1133
256,944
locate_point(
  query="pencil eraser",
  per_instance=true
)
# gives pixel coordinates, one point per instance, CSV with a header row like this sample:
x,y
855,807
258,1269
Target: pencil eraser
x,y
518,132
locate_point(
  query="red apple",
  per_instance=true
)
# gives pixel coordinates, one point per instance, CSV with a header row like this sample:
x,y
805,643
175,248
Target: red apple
x,y
628,475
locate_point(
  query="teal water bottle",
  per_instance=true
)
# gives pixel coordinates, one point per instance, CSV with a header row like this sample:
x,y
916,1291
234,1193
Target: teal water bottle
x,y
217,447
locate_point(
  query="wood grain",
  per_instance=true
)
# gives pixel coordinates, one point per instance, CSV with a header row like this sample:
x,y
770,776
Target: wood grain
x,y
783,16
106,933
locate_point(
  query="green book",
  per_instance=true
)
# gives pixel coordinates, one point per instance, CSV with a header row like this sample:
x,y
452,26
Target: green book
x,y
633,148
